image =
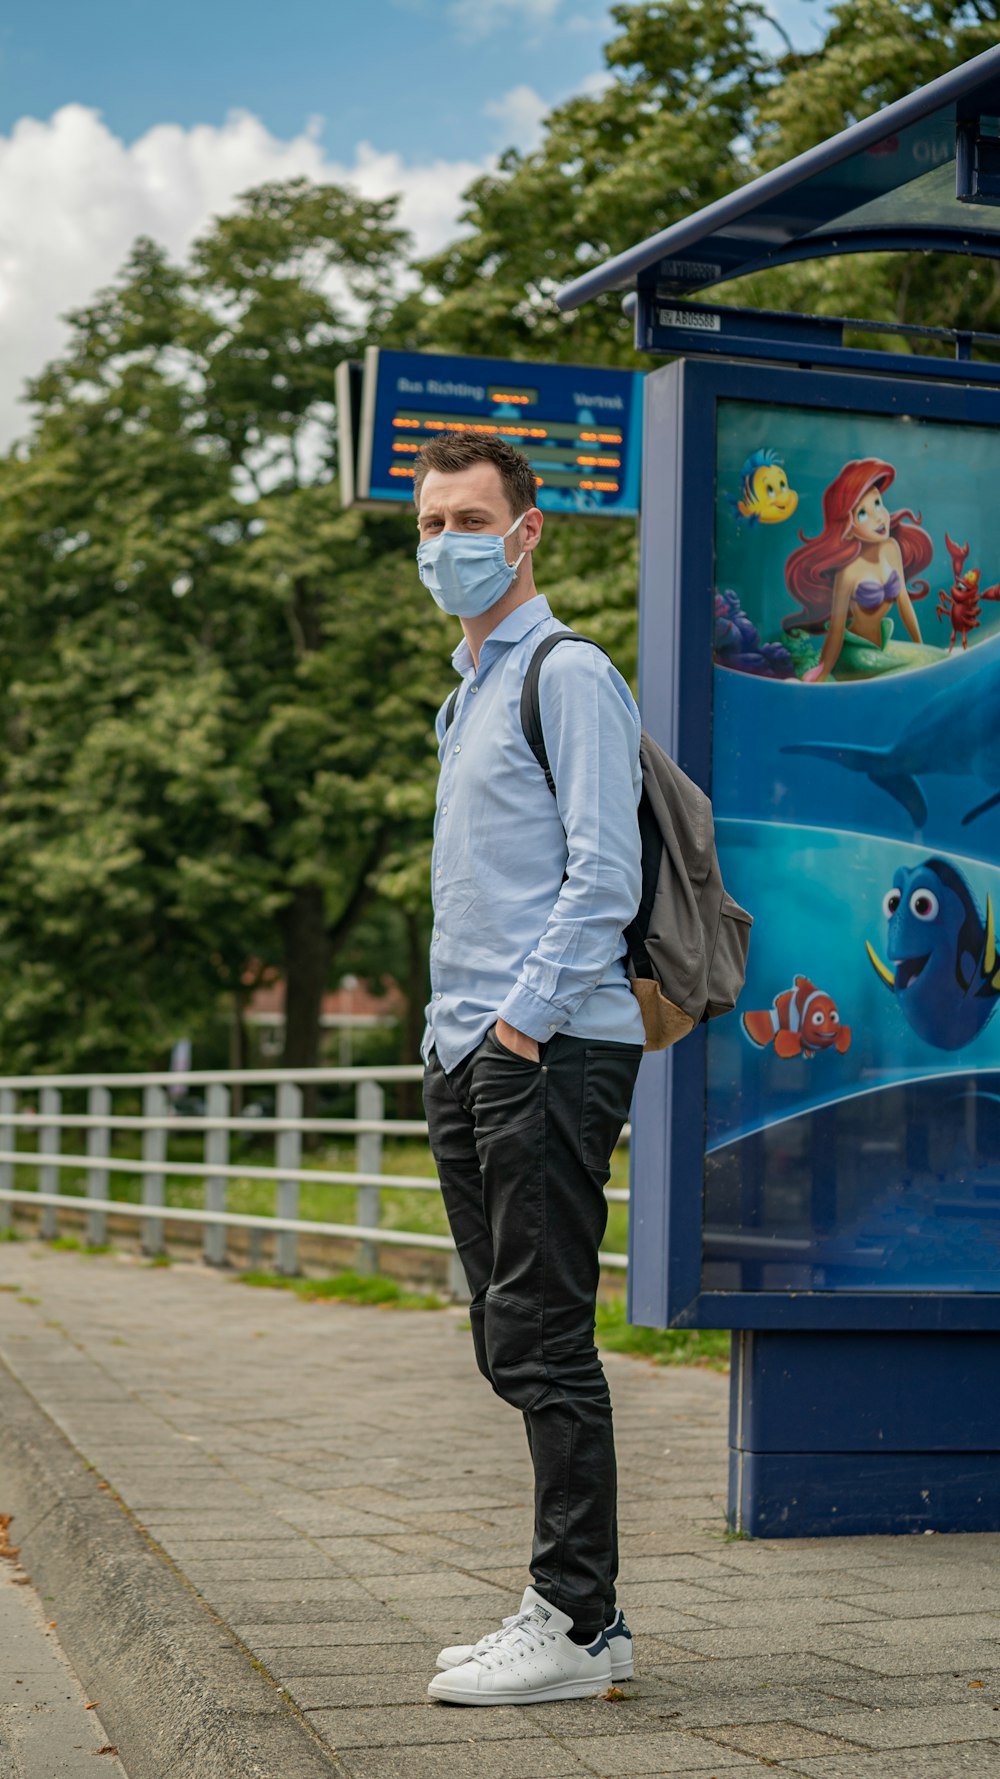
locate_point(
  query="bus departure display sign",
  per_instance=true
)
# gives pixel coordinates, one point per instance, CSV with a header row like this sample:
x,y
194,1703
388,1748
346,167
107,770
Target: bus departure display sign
x,y
580,428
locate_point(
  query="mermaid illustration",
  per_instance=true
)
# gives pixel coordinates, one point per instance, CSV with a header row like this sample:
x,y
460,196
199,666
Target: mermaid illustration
x,y
848,579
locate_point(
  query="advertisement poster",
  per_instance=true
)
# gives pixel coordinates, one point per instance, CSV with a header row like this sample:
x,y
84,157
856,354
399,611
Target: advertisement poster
x,y
853,1109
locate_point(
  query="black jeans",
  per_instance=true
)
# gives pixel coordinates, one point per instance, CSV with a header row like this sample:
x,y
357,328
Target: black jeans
x,y
522,1151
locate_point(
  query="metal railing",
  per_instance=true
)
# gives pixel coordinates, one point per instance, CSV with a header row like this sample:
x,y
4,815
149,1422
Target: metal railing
x,y
45,1116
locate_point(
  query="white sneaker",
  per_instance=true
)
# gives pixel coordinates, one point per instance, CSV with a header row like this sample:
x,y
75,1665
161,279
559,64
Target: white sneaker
x,y
529,1660
617,1633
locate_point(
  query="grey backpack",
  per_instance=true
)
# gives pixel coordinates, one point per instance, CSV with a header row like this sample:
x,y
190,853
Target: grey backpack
x,y
687,946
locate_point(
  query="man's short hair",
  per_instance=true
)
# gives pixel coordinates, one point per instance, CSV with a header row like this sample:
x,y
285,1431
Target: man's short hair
x,y
453,451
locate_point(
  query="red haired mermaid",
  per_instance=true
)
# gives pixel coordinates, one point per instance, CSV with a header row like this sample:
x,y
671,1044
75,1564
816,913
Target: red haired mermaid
x,y
849,576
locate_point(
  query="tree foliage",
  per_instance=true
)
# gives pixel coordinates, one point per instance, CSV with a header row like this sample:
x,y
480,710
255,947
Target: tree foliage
x,y
207,719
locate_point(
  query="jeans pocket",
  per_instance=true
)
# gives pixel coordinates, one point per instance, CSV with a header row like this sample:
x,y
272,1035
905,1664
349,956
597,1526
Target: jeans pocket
x,y
609,1072
494,1045
507,1092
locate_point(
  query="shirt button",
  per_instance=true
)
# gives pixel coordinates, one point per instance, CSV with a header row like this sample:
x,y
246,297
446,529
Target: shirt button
x,y
437,997
475,689
458,747
438,871
444,809
437,934
552,1028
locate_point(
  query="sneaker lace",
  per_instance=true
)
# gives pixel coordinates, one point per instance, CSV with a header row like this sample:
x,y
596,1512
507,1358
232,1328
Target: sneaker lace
x,y
493,1637
518,1635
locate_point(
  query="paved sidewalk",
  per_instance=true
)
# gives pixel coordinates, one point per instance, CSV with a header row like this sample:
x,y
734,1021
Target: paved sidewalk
x,y
49,1729
346,1497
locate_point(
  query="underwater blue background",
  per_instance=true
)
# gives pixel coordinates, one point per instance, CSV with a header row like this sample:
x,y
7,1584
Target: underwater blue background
x,y
878,1168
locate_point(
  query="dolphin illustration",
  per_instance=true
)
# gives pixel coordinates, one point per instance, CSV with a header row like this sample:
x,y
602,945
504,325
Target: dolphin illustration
x,y
957,733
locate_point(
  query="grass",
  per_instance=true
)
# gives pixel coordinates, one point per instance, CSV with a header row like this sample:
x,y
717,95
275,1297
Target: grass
x,y
347,1287
708,1348
70,1245
705,1347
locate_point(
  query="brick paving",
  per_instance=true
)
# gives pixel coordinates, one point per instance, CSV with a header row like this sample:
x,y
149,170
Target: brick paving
x,y
346,1496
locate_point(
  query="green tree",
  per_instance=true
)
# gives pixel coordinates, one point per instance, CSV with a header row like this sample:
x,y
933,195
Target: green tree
x,y
208,718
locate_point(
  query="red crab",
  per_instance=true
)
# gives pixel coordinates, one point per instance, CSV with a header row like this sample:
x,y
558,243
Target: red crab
x,y
960,604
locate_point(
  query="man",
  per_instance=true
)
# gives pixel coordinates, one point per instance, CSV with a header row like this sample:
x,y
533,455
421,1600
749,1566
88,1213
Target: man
x,y
532,1045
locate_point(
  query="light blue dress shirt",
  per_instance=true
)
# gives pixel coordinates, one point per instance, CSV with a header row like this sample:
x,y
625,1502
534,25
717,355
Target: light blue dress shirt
x,y
532,892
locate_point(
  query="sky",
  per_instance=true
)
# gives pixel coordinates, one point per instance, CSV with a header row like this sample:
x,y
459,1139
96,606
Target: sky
x,y
127,117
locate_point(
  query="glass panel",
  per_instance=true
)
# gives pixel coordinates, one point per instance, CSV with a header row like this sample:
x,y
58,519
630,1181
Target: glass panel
x,y
905,182
853,1105
927,202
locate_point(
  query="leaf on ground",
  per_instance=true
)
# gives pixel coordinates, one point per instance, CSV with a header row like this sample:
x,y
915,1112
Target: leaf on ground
x,y
6,1548
107,1749
92,1706
615,1696
977,1683
21,1581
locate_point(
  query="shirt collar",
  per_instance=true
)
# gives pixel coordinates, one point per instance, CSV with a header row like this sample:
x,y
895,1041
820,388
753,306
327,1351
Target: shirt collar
x,y
515,625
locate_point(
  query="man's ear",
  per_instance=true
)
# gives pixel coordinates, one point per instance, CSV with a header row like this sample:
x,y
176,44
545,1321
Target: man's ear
x,y
531,528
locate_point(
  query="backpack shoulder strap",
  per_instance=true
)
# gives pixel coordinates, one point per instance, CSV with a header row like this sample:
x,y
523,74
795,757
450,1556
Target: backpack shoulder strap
x,y
531,710
449,709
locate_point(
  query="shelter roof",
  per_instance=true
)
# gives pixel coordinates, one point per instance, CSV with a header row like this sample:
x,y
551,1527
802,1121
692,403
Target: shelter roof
x,y
923,173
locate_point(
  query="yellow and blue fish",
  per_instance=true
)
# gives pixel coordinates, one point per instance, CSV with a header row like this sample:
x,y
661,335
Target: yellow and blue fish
x,y
765,497
943,965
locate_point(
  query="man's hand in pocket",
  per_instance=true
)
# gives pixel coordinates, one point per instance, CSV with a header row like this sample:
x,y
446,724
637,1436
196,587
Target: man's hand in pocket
x,y
512,1039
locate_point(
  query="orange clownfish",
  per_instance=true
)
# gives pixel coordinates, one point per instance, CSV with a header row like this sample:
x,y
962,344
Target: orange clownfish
x,y
801,1021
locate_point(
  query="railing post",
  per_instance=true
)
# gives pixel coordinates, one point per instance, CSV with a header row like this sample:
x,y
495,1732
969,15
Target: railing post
x,y
288,1154
216,1155
98,1148
8,1140
369,1104
49,1140
154,1148
458,1284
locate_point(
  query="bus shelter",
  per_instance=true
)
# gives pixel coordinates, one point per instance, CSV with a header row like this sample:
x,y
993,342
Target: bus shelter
x,y
820,650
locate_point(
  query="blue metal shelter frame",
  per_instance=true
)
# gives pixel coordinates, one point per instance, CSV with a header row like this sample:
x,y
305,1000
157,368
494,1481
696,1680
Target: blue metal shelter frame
x,y
675,651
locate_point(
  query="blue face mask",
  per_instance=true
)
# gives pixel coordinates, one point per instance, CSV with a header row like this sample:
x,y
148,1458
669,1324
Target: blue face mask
x,y
464,572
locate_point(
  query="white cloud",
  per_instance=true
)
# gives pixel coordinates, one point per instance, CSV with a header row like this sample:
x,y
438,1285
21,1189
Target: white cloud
x,y
73,197
520,113
597,83
478,18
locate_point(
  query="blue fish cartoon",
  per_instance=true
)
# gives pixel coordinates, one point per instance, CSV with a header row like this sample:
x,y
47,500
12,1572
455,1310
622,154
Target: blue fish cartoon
x,y
943,967
765,497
